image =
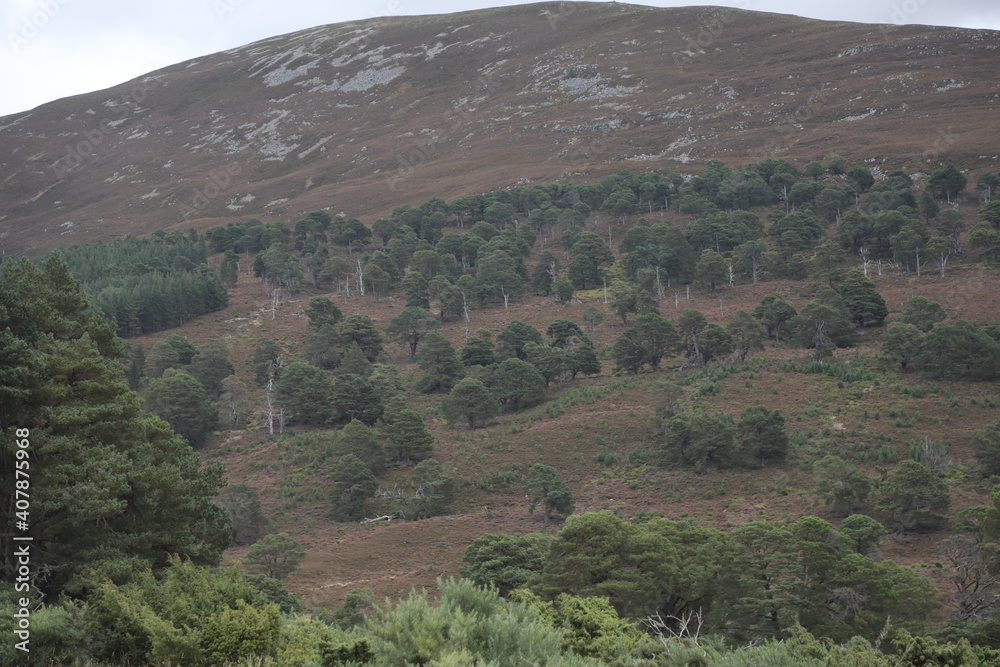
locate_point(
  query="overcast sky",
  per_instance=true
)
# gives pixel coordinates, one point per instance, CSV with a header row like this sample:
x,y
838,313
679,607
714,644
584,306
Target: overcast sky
x,y
56,48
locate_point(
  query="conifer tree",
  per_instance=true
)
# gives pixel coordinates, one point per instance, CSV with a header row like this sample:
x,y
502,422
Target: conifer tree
x,y
113,489
548,490
408,439
439,360
181,401
470,401
353,484
363,442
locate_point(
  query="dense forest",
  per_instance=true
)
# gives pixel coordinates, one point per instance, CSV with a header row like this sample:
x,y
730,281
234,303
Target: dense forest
x,y
148,285
130,514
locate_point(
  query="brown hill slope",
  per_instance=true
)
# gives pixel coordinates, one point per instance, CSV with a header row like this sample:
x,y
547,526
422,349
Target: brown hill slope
x,y
363,116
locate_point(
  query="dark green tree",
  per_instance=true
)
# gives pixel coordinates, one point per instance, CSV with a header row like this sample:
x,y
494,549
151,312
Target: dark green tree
x,y
947,183
599,554
761,435
211,366
950,226
592,318
268,361
842,485
415,287
361,441
353,484
435,491
439,360
354,362
161,357
862,534
322,348
901,344
714,342
959,350
361,330
548,490
753,257
305,393
747,333
411,326
322,311
407,438
910,499
245,516
506,562
354,397
515,384
583,359
499,274
552,362
564,291
113,489
589,254
470,401
276,555
711,268
512,340
987,449
181,401
565,333
866,305
775,314
860,178
698,439
923,313
769,578
691,323
477,351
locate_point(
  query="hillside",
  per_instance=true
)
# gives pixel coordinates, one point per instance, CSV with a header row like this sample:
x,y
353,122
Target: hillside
x,y
509,169
363,116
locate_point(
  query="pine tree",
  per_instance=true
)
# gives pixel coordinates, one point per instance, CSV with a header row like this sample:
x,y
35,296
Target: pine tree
x,y
355,362
478,352
354,397
361,330
866,306
305,393
439,360
411,326
353,484
211,366
470,401
363,442
408,439
547,489
137,490
276,555
181,401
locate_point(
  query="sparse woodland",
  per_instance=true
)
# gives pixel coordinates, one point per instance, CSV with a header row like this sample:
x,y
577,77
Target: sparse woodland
x,y
743,415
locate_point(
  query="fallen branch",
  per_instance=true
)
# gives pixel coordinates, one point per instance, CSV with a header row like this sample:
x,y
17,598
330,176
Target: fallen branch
x,y
386,517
